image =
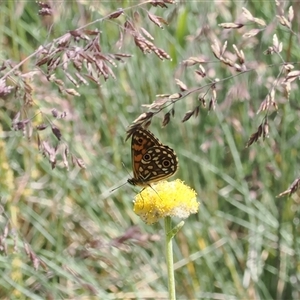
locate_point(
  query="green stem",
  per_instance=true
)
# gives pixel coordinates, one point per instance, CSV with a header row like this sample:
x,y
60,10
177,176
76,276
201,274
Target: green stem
x,y
169,256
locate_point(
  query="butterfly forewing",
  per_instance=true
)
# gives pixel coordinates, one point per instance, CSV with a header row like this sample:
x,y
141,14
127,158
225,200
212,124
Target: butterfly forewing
x,y
151,160
142,140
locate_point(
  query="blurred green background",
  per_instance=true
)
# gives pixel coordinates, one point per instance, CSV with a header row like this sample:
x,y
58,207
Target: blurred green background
x,y
244,242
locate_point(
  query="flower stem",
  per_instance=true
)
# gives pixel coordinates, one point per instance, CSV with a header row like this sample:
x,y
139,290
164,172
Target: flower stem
x,y
169,257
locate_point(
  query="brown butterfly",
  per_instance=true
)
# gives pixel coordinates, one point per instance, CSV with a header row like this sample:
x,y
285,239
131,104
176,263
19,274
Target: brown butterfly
x,y
151,160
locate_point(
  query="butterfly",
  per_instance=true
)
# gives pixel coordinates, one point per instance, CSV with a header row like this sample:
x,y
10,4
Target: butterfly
x,y
151,160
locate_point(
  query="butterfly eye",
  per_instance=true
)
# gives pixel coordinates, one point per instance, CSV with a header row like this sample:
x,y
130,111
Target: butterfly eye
x,y
147,157
166,163
140,141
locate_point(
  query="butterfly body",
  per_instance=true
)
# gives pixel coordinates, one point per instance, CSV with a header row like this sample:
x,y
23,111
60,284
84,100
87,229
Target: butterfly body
x,y
151,160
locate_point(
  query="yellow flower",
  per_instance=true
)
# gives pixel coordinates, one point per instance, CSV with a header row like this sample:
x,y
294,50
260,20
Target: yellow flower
x,y
174,199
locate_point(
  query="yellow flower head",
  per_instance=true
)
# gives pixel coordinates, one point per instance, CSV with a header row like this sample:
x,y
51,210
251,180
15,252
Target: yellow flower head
x,y
174,199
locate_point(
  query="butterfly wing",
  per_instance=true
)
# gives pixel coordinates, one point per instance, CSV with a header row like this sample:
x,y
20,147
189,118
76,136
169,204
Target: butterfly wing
x,y
142,140
158,163
151,160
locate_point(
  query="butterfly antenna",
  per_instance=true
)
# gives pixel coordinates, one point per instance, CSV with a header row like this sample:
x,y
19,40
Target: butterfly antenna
x,y
124,182
118,187
125,168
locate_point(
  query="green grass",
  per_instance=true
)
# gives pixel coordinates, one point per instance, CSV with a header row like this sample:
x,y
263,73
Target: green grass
x,y
244,241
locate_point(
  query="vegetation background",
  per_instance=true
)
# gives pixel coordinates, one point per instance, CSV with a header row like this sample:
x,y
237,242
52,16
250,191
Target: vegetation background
x,y
64,235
